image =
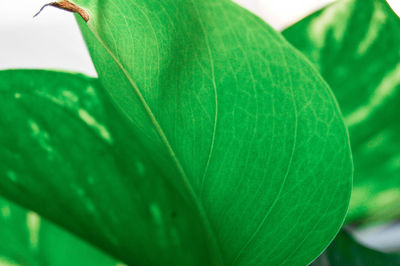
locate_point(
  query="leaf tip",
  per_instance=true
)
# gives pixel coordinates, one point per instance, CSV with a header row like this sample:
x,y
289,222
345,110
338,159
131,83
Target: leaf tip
x,y
68,6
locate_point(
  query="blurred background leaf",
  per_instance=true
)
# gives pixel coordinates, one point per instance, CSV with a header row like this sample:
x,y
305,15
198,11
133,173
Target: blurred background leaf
x,y
70,156
28,239
355,44
345,251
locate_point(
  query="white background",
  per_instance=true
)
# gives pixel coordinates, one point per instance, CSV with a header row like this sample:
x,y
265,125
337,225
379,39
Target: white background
x,y
53,41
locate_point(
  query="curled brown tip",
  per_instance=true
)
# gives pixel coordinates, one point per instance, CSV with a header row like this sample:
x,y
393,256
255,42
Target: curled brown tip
x,y
66,5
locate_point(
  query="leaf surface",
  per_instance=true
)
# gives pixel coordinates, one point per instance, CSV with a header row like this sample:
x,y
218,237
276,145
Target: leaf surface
x,y
70,156
28,239
346,251
355,45
249,123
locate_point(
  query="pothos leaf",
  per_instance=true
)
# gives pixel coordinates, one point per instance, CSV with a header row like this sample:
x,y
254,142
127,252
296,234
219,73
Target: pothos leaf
x,y
28,239
70,156
248,122
355,45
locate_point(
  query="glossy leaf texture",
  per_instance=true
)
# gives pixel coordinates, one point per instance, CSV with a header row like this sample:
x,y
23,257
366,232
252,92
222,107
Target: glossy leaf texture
x,y
346,251
251,125
70,156
355,45
28,239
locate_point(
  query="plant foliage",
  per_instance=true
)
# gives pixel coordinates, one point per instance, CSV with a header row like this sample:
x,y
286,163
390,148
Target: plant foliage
x,y
206,140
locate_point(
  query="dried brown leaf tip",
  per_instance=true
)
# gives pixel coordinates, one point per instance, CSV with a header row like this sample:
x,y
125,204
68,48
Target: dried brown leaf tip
x,y
67,5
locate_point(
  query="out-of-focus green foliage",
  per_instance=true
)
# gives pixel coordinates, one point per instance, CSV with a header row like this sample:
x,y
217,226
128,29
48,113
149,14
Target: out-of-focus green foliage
x,y
355,44
27,239
345,251
70,156
251,126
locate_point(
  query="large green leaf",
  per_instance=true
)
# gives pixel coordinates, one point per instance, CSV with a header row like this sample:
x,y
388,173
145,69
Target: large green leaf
x,y
28,239
250,124
70,156
345,251
355,45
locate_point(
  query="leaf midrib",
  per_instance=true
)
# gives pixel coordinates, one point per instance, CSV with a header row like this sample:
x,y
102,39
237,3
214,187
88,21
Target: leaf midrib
x,y
164,139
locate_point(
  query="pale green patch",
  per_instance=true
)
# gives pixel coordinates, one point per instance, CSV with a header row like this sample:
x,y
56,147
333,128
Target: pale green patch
x,y
90,206
382,93
156,213
6,262
12,176
5,211
380,139
69,97
376,22
87,201
387,197
141,169
35,127
158,220
394,163
91,121
359,194
41,136
91,180
33,223
80,191
51,98
17,95
322,24
90,91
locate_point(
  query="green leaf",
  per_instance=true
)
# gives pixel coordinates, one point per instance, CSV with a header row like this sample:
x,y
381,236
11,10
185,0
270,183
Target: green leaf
x,y
248,122
70,156
345,251
355,45
28,239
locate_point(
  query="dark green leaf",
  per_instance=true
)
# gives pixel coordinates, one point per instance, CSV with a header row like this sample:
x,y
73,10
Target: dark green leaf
x,y
250,124
345,251
356,46
28,239
70,156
